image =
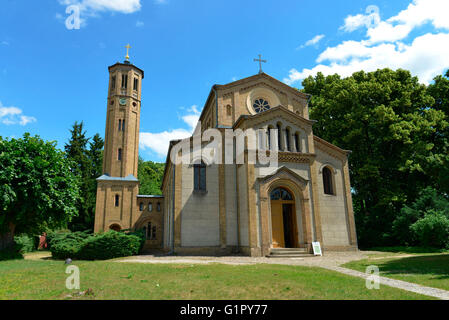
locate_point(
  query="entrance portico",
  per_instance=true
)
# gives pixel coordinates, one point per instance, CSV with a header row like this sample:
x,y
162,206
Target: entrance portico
x,y
285,211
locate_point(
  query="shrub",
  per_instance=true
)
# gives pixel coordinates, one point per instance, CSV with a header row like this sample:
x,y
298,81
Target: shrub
x,y
428,202
109,245
26,243
102,246
65,245
142,237
432,230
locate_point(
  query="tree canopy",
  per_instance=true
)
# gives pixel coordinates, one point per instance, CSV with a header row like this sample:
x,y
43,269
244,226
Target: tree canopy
x,y
37,186
89,164
150,175
397,135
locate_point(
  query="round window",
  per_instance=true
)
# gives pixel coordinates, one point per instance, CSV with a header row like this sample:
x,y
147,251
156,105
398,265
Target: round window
x,y
261,105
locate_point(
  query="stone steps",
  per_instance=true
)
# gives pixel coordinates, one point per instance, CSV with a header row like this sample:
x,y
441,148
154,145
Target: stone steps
x,y
288,253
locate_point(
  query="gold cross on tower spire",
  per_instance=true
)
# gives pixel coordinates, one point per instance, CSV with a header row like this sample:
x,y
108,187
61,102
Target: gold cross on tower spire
x,y
127,52
260,63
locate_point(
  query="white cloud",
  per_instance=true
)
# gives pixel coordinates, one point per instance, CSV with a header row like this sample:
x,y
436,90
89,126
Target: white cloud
x,y
313,41
91,8
159,142
13,115
372,18
385,45
122,6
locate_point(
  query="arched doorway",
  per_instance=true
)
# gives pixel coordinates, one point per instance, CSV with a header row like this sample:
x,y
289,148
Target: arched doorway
x,y
283,219
115,227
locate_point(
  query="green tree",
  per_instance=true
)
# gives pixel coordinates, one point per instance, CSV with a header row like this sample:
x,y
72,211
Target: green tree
x,y
88,168
150,175
438,162
38,189
95,156
386,118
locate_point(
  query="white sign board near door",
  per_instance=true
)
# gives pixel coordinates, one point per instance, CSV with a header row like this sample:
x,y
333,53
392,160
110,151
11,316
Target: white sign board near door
x,y
317,249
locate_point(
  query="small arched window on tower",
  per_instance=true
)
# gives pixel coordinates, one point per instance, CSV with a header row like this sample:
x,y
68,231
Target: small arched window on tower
x,y
117,200
328,181
123,125
124,81
119,155
136,84
113,83
120,125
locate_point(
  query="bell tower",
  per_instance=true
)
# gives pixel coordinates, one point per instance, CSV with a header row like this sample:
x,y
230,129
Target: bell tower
x,y
118,187
123,120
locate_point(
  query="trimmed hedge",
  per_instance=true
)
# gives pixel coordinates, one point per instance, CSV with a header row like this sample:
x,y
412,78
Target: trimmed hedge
x,y
109,245
102,246
65,245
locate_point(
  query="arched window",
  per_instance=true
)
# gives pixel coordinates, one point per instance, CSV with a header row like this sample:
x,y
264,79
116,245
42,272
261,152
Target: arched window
x,y
327,181
158,206
141,206
117,200
119,155
151,231
281,194
199,172
297,146
120,125
150,206
278,127
287,139
115,227
228,110
269,137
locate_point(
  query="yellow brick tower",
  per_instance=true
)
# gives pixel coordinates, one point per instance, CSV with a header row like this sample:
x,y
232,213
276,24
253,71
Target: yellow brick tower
x,y
118,187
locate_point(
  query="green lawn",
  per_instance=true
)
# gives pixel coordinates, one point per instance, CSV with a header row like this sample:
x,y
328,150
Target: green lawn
x,y
45,279
430,269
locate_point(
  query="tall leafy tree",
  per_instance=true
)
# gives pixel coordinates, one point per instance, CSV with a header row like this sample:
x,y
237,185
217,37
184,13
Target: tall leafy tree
x,y
88,167
386,118
95,156
438,162
38,189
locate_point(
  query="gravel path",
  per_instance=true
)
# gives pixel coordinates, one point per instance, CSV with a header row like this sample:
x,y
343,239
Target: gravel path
x,y
412,287
331,261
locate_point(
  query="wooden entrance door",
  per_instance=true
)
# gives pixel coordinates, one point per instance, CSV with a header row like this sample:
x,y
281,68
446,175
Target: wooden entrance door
x,y
277,225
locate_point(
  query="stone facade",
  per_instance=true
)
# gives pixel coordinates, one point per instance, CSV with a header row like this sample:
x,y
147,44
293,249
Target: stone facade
x,y
236,209
234,215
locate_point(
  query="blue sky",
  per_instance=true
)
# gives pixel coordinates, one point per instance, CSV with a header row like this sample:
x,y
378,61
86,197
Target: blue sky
x,y
51,76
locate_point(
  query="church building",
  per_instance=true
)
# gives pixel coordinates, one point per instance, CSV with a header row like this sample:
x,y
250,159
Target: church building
x,y
219,208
